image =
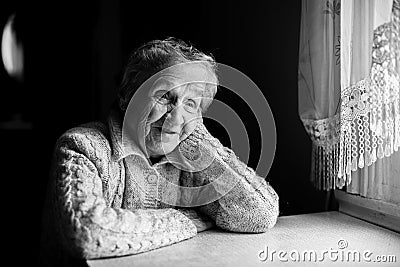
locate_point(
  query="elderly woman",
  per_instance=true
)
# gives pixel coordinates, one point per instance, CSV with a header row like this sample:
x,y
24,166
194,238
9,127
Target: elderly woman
x,y
118,188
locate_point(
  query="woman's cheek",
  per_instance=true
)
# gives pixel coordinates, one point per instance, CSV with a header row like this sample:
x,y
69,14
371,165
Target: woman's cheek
x,y
156,112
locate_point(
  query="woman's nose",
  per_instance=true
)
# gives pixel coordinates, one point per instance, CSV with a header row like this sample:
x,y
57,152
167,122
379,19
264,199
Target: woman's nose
x,y
175,116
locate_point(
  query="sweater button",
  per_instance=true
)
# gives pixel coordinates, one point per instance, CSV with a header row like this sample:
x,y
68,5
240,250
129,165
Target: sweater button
x,y
152,179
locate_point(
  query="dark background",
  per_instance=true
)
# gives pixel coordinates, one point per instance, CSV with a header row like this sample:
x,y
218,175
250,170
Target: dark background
x,y
74,55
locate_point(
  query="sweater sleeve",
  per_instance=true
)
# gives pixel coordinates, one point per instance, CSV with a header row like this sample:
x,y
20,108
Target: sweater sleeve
x,y
88,227
247,203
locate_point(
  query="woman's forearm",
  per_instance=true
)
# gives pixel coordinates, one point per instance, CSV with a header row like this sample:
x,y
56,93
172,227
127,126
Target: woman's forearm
x,y
248,202
91,229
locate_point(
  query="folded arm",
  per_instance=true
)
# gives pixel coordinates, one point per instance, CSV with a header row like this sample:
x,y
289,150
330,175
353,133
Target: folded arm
x,y
89,228
247,202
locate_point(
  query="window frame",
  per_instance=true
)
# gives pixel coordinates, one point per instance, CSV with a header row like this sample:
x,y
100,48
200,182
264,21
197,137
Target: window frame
x,y
378,212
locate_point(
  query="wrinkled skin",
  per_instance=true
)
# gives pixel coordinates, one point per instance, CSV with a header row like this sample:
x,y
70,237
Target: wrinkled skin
x,y
174,107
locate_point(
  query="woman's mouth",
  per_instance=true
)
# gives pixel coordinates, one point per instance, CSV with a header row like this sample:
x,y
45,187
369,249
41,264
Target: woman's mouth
x,y
165,135
165,131
169,132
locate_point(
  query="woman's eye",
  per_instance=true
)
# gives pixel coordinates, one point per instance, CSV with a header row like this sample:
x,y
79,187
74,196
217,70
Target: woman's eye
x,y
190,106
163,98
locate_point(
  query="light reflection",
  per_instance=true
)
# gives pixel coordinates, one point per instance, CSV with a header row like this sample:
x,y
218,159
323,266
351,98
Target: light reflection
x,y
12,51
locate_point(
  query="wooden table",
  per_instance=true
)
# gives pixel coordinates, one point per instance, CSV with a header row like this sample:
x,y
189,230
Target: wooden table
x,y
330,231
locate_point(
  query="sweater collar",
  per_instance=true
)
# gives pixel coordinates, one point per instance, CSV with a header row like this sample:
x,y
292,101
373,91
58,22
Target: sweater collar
x,y
119,150
122,148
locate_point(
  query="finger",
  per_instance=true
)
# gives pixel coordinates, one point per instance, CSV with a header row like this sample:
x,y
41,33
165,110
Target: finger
x,y
190,126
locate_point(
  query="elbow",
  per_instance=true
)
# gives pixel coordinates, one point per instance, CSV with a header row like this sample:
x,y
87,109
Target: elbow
x,y
269,215
263,219
87,251
266,220
92,244
82,243
265,216
258,220
81,248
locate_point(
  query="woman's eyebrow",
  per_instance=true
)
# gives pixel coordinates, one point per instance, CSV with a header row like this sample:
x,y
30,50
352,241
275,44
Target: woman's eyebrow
x,y
162,84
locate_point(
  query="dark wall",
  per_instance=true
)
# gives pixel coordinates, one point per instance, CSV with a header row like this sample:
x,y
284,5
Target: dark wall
x,y
74,55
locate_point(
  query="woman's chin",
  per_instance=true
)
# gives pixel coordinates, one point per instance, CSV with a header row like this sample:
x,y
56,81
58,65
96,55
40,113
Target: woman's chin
x,y
161,149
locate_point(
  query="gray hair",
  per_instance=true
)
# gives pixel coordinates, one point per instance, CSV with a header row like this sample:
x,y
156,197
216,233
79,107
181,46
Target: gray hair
x,y
157,55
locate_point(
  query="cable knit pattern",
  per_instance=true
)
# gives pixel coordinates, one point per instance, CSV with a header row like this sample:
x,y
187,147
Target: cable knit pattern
x,y
97,204
251,204
85,185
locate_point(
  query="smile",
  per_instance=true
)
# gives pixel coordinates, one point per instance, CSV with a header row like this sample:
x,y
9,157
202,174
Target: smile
x,y
165,131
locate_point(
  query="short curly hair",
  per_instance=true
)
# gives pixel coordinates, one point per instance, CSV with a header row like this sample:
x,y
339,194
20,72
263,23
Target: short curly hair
x,y
157,55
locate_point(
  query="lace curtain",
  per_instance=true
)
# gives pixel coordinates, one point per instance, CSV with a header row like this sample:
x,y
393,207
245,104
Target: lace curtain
x,y
349,71
370,111
319,85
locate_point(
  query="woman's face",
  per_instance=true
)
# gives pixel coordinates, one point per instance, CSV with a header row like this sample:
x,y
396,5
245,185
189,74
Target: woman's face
x,y
174,100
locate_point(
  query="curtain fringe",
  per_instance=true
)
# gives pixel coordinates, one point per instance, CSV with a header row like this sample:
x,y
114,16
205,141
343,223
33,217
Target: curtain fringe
x,y
370,134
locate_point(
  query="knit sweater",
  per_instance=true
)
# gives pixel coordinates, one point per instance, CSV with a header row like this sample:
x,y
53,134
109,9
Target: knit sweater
x,y
103,203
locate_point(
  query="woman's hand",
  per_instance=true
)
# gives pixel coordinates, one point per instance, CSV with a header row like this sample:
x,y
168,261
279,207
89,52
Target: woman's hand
x,y
190,126
193,154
